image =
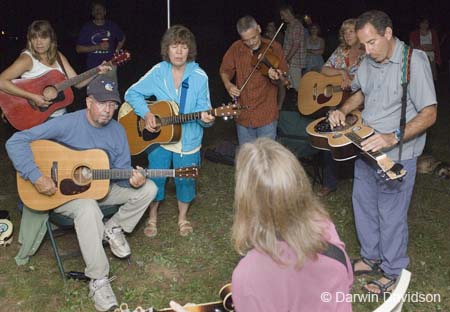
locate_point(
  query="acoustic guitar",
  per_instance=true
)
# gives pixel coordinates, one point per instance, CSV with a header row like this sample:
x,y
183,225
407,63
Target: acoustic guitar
x,y
168,123
318,91
344,142
23,113
224,305
79,174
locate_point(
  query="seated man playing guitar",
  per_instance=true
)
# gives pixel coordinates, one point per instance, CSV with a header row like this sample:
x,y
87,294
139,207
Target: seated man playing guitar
x,y
39,57
91,128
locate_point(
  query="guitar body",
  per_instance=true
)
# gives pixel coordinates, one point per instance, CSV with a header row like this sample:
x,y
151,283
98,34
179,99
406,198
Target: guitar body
x,y
66,165
342,148
140,138
224,305
318,91
22,114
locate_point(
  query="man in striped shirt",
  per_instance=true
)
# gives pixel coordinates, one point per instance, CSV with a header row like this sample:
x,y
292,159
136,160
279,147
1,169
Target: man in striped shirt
x,y
293,45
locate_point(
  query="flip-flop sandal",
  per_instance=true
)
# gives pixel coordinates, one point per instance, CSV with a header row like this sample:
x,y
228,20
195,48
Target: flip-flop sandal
x,y
383,287
185,228
151,230
373,264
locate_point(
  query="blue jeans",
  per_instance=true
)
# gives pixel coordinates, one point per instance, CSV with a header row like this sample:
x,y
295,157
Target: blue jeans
x,y
246,135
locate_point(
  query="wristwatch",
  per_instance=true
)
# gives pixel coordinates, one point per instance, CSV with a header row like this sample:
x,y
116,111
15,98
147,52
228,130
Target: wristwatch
x,y
397,133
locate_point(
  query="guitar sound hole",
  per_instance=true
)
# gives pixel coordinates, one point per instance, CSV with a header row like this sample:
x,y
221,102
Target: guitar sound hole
x,y
82,175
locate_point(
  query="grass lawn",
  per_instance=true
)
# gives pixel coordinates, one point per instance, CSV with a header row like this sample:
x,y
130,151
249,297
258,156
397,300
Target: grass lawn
x,y
193,269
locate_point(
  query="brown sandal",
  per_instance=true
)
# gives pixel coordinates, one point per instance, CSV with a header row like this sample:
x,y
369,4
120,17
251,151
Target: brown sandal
x,y
185,228
150,230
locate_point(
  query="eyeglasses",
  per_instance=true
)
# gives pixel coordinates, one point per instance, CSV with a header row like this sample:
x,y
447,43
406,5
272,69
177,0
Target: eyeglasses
x,y
109,104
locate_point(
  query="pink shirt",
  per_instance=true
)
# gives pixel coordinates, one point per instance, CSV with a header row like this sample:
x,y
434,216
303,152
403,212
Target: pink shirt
x,y
260,284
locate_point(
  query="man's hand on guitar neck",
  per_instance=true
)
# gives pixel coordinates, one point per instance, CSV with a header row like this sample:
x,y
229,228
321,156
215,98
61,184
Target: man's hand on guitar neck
x,y
137,178
379,141
45,185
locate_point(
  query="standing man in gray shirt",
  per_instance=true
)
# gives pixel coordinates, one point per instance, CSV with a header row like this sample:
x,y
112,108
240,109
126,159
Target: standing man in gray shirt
x,y
381,207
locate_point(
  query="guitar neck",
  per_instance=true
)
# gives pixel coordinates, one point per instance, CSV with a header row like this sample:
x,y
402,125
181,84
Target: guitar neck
x,y
182,118
356,140
77,79
117,174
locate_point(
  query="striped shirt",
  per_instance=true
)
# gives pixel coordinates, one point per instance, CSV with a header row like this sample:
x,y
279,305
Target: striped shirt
x,y
295,36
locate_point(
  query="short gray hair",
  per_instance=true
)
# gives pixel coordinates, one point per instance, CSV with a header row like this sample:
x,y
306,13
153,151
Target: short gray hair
x,y
245,23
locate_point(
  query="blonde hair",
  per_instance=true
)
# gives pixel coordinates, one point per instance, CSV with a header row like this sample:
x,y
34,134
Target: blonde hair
x,y
351,22
42,29
273,201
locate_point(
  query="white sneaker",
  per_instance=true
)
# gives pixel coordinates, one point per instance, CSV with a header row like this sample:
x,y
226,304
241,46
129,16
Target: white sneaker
x,y
101,293
117,242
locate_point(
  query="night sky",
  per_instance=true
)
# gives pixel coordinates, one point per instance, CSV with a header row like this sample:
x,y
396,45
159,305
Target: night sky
x,y
212,21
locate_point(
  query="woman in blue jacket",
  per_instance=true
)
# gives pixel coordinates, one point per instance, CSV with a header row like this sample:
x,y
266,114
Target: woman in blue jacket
x,y
179,79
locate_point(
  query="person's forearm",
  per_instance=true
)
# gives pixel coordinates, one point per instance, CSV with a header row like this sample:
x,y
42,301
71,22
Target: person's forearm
x,y
425,119
86,49
352,103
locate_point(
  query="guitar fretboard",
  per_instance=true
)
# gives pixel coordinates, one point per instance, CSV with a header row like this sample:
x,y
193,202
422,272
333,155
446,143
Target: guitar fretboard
x,y
74,80
182,118
356,139
106,174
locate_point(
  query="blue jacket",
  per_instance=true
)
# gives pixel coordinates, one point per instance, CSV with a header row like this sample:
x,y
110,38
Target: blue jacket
x,y
158,82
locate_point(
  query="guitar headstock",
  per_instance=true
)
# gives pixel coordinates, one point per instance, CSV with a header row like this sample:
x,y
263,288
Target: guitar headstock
x,y
228,111
120,57
390,170
187,172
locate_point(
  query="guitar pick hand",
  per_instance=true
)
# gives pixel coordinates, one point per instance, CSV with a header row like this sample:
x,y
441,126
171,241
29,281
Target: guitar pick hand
x,y
45,185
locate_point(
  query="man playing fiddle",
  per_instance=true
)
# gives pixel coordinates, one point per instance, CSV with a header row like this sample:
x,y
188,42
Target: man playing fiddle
x,y
260,92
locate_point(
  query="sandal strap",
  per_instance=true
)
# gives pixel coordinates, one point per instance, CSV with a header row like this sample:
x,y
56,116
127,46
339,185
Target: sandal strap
x,y
373,264
184,223
383,287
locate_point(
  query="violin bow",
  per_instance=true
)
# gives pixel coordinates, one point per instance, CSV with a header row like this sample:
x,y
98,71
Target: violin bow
x,y
261,58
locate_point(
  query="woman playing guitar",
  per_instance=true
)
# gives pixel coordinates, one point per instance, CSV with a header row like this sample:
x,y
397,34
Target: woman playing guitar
x,y
39,57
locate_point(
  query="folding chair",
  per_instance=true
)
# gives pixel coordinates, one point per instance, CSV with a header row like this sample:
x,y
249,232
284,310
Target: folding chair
x,y
292,134
63,224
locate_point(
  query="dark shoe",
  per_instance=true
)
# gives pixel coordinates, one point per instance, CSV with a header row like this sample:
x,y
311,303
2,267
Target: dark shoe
x,y
325,191
382,288
374,266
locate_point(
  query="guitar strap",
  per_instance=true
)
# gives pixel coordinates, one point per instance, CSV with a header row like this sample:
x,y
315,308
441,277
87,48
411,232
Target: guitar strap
x,y
406,70
335,253
184,87
58,59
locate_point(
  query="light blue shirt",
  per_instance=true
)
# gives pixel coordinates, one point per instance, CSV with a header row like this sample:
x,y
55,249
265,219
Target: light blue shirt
x,y
380,84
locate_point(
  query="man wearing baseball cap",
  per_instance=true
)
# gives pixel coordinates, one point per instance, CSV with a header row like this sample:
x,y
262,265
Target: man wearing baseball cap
x,y
91,128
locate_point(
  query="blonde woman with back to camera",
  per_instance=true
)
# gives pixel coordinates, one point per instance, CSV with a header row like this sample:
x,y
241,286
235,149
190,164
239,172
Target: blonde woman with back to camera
x,y
285,235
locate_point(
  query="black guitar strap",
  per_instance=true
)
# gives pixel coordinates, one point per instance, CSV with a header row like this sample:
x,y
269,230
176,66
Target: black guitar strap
x,y
406,69
336,253
58,59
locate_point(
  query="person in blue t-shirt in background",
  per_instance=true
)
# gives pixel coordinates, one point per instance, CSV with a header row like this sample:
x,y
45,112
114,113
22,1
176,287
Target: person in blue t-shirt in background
x,y
100,38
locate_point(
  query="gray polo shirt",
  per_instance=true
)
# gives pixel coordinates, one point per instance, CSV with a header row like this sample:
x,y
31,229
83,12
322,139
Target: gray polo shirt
x,y
381,85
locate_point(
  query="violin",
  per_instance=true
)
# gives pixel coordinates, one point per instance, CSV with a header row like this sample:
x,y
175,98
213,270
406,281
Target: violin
x,y
265,61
